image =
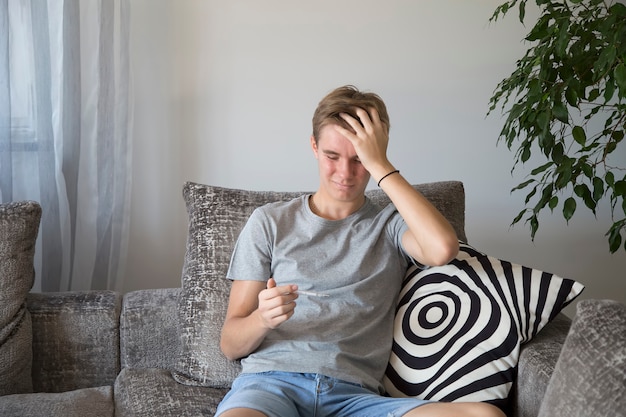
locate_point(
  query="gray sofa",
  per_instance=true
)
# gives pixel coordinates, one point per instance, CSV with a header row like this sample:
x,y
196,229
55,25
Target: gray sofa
x,y
99,351
102,353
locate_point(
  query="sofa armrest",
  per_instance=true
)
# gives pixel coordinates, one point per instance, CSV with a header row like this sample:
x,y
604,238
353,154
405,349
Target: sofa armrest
x,y
536,363
590,377
149,329
75,339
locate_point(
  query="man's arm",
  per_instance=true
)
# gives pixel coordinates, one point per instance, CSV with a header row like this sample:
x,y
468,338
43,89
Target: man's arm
x,y
254,309
430,240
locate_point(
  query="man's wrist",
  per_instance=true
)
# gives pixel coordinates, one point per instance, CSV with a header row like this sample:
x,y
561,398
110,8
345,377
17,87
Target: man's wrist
x,y
392,172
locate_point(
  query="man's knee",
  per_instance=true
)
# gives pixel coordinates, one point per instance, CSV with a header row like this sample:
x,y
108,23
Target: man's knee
x,y
476,409
242,412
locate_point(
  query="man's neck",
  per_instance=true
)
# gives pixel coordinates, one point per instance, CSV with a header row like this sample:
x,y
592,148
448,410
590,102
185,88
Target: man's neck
x,y
331,209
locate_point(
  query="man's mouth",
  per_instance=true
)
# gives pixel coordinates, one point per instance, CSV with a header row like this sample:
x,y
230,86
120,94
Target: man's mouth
x,y
344,186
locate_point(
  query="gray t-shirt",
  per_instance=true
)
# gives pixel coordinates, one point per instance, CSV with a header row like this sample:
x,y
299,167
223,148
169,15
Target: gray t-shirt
x,y
358,261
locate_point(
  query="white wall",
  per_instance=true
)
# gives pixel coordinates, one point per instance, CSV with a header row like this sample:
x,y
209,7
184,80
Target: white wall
x,y
225,91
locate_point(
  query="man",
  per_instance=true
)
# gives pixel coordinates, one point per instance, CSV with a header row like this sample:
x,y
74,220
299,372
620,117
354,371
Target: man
x,y
316,279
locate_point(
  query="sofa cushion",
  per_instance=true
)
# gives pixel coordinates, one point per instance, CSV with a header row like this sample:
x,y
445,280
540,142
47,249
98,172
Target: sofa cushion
x,y
459,327
537,361
216,217
153,392
19,225
590,375
88,402
64,324
149,329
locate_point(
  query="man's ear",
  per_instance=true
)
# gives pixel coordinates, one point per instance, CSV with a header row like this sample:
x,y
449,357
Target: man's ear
x,y
314,146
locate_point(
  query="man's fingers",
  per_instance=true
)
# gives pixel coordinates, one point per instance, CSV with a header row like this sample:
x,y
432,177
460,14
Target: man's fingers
x,y
278,306
282,294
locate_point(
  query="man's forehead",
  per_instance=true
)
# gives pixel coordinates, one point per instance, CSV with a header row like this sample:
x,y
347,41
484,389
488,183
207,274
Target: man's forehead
x,y
337,147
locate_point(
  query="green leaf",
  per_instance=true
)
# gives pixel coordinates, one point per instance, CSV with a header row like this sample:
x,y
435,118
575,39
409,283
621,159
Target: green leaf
x,y
546,195
562,35
560,112
534,225
620,188
558,152
586,169
571,96
516,111
579,135
615,241
620,77
526,154
615,238
610,147
569,207
546,142
593,94
583,192
518,217
609,177
605,61
523,185
542,168
500,10
609,120
617,9
554,201
598,188
530,195
543,119
609,90
564,176
534,89
551,73
540,30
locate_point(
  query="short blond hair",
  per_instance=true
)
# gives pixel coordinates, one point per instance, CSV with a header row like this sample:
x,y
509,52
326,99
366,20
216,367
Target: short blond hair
x,y
345,100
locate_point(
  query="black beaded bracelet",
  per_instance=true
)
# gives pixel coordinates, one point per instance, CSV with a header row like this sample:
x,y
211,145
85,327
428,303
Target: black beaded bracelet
x,y
397,171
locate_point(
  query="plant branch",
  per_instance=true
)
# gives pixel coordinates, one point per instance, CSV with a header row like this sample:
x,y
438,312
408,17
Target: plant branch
x,y
574,67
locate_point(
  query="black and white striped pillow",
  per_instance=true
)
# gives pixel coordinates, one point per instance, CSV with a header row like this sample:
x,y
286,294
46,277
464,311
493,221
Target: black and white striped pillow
x,y
459,327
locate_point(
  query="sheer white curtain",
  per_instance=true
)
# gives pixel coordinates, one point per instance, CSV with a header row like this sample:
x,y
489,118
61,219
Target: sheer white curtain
x,y
65,120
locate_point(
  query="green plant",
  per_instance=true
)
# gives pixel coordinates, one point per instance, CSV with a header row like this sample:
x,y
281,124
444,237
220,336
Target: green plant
x,y
567,100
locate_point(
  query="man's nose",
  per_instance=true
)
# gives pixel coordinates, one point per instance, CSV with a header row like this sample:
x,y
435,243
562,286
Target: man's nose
x,y
345,168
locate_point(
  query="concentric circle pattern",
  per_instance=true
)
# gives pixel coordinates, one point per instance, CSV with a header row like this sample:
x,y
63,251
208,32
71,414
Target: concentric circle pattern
x,y
458,327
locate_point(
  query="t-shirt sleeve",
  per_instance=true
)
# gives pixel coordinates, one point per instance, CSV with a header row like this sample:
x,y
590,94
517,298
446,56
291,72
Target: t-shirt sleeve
x,y
251,258
396,229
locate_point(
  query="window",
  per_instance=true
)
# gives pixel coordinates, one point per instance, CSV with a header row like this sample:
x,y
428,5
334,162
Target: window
x,y
21,77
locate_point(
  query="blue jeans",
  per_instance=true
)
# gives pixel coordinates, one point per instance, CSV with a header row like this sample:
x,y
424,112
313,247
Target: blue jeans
x,y
287,394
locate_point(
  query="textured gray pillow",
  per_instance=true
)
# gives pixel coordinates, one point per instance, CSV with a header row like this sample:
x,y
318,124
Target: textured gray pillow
x,y
590,375
216,217
19,225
